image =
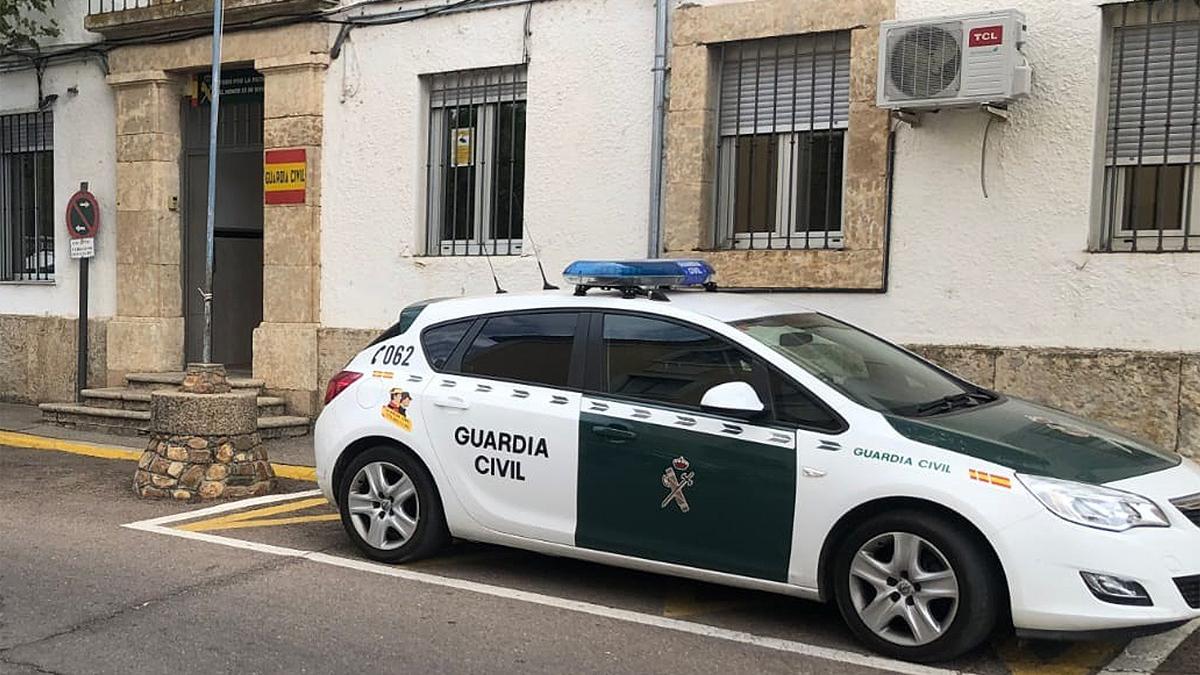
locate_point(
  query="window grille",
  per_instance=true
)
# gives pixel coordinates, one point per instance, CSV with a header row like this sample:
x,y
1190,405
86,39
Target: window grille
x,y
475,171
27,197
783,112
1150,199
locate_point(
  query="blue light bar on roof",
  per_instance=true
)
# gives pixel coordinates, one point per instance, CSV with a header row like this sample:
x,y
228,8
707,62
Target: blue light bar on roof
x,y
638,273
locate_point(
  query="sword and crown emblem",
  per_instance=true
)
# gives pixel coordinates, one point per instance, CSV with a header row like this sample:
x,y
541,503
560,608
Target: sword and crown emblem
x,y
675,479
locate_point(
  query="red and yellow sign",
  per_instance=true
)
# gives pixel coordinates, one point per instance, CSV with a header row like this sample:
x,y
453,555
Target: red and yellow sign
x,y
993,479
284,176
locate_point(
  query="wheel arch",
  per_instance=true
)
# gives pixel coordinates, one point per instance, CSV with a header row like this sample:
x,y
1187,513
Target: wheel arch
x,y
863,512
366,443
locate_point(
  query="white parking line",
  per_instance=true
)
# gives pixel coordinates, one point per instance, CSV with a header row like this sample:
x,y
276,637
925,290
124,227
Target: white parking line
x,y
1145,655
157,526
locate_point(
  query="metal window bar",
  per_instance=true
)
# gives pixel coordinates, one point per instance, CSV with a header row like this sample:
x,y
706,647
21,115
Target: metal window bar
x,y
475,162
110,6
27,196
782,113
1148,199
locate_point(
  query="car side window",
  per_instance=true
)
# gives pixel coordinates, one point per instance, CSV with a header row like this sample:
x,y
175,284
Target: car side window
x,y
439,342
795,405
532,347
666,362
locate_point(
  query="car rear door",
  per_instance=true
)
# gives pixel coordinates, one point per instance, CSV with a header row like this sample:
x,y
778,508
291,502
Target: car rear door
x,y
503,418
662,479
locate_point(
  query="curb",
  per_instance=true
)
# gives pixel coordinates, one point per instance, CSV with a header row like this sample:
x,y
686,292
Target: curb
x,y
32,442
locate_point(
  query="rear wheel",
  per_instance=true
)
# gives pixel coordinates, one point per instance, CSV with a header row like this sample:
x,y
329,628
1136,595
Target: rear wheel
x,y
914,586
390,507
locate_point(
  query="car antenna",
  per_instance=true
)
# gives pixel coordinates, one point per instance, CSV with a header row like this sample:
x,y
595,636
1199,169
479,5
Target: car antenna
x,y
492,268
546,285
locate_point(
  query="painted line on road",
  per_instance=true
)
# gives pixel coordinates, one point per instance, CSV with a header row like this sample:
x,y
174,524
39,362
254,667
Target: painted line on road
x,y
258,517
1145,655
158,526
32,442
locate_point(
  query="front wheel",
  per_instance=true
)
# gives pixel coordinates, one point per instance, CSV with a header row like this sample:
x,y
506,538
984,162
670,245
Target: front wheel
x,y
390,507
914,586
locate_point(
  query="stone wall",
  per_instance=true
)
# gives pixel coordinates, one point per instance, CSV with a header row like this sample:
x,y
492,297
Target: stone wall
x,y
1154,395
37,357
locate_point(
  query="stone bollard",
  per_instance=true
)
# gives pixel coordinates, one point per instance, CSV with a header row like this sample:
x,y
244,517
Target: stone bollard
x,y
204,442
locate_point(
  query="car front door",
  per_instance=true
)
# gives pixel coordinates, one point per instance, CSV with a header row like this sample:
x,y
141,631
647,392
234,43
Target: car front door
x,y
503,416
662,478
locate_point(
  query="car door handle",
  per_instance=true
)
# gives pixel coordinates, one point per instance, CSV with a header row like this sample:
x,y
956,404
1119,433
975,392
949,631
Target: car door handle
x,y
452,402
614,433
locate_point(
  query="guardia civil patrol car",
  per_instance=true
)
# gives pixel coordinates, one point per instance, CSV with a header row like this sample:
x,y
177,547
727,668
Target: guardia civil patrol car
x,y
744,440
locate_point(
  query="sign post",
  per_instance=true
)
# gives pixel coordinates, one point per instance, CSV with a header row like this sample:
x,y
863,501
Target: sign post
x,y
215,111
83,222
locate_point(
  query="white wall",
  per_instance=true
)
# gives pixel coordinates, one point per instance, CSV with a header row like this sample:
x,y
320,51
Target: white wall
x,y
590,97
84,150
1014,269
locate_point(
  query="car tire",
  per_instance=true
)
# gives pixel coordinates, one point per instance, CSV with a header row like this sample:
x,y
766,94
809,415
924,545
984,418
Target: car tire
x,y
877,576
390,506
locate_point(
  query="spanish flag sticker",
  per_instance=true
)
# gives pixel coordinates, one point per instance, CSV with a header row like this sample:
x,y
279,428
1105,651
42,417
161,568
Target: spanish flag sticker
x,y
991,479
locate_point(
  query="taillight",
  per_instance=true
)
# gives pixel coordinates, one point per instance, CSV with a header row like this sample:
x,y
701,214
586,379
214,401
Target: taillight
x,y
339,382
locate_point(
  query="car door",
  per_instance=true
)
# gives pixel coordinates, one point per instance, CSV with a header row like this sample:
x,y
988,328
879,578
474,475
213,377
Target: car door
x,y
503,417
663,479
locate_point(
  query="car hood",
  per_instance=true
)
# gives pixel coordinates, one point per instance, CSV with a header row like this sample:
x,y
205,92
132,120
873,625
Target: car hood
x,y
1033,439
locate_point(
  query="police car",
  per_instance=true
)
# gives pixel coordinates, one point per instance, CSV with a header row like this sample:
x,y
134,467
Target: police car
x,y
744,440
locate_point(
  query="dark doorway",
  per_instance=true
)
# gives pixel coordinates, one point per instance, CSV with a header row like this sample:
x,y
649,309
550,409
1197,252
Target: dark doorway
x,y
238,229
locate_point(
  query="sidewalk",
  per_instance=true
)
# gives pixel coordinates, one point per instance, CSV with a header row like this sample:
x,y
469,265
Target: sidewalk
x,y
27,419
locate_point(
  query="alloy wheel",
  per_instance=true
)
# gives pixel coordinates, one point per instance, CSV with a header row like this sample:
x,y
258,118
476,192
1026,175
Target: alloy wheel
x,y
904,589
383,505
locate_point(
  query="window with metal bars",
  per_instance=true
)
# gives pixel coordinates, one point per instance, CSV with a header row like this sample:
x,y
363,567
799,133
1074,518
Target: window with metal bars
x,y
476,163
27,197
783,112
1151,195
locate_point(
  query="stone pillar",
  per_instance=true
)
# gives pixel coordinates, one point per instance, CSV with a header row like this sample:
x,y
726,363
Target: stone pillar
x,y
147,333
285,344
204,442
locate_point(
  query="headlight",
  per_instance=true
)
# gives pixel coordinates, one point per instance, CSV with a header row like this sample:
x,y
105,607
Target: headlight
x,y
1093,505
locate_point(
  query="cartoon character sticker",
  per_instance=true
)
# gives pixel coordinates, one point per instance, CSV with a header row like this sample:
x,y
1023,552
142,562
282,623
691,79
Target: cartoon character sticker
x,y
396,410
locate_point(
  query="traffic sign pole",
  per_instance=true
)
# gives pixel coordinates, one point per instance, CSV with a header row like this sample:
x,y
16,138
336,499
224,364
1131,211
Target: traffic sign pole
x,y
82,346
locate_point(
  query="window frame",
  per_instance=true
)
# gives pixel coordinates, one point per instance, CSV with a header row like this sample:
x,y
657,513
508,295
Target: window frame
x,y
484,157
8,268
596,366
575,369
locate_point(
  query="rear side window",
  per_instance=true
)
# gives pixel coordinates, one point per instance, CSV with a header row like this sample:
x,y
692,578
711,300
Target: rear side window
x,y
533,348
666,362
439,342
407,316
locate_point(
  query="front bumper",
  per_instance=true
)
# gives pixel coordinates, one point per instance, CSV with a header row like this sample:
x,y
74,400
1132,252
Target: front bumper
x,y
1043,556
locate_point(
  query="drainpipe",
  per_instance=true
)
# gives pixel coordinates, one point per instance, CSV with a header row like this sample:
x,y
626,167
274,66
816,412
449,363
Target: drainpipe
x,y
661,9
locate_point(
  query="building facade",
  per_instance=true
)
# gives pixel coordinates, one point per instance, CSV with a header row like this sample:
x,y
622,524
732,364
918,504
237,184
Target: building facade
x,y
450,148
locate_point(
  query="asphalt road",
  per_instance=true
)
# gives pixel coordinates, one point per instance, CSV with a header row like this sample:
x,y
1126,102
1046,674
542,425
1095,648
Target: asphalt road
x,y
79,593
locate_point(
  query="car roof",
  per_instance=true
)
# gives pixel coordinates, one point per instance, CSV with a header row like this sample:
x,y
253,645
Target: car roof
x,y
721,306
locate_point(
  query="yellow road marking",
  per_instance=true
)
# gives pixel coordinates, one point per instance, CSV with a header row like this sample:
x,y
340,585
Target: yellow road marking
x,y
1080,658
687,602
265,522
29,441
222,521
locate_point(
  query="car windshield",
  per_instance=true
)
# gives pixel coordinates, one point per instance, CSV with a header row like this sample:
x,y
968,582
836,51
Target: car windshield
x,y
865,368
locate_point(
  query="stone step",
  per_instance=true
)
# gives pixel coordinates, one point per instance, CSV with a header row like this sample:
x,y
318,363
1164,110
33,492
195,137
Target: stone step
x,y
89,418
124,398
283,426
156,381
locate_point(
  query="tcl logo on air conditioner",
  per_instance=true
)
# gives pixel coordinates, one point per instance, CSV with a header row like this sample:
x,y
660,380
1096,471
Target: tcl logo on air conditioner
x,y
986,36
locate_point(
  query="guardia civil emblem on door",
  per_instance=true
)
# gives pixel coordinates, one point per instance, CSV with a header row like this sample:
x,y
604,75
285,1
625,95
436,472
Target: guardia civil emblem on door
x,y
675,479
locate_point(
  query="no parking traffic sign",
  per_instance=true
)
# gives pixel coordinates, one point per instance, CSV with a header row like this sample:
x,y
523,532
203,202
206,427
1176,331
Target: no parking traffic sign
x,y
83,221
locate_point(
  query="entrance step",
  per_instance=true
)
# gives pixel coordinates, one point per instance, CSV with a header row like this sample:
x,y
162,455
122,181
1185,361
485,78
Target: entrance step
x,y
90,418
282,426
126,410
157,381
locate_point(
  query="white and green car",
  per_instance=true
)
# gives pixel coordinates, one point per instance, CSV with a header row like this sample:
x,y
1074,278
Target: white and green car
x,y
743,440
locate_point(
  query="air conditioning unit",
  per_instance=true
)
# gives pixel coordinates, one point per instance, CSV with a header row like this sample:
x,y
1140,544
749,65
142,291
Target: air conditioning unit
x,y
953,61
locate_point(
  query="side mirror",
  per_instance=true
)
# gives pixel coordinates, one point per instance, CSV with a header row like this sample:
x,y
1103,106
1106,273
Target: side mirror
x,y
733,398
